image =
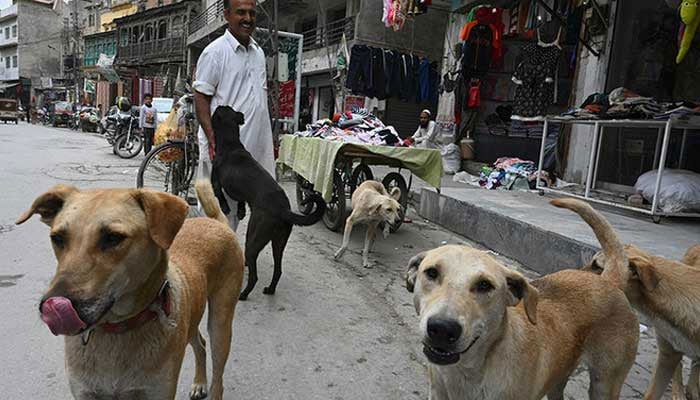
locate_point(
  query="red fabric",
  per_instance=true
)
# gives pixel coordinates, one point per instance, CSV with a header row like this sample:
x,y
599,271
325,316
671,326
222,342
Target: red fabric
x,y
474,95
286,100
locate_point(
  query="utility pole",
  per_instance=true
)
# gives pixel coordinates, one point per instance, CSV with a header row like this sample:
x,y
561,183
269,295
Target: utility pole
x,y
76,48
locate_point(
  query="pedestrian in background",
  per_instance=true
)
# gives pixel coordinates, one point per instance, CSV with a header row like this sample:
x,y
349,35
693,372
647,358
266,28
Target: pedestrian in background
x,y
148,121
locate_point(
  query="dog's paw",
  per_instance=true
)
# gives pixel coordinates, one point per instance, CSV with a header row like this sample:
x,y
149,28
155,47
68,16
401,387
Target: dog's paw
x,y
268,290
338,254
198,391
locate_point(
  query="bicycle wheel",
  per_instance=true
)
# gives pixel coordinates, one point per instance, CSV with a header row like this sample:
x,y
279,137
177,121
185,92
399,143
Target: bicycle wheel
x,y
168,168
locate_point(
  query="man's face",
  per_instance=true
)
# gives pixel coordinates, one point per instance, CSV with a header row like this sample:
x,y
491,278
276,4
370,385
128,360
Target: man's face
x,y
424,119
147,100
241,19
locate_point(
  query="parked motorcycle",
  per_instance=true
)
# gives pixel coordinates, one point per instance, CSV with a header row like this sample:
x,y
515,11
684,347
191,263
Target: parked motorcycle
x,y
89,119
128,140
108,123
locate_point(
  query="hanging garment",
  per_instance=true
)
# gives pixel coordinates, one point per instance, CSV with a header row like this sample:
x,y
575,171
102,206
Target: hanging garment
x,y
408,78
378,89
392,73
359,79
535,78
477,50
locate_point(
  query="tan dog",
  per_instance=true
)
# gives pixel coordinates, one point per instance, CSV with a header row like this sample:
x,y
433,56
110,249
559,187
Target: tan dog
x,y
371,205
664,291
132,282
489,334
692,258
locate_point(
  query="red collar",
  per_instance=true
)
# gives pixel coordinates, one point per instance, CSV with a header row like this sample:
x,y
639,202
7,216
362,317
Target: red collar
x,y
151,312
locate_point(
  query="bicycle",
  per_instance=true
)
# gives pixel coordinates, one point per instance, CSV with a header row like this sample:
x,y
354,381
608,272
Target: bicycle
x,y
171,166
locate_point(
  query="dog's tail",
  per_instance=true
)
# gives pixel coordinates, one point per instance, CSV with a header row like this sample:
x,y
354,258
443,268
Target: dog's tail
x,y
616,267
307,220
209,202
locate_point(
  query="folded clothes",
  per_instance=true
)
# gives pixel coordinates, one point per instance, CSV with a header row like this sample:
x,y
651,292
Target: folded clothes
x,y
359,127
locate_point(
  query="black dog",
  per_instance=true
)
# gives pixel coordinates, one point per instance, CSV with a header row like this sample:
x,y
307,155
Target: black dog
x,y
242,178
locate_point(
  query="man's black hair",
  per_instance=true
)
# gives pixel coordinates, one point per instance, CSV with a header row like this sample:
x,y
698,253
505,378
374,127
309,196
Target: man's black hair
x,y
147,95
227,4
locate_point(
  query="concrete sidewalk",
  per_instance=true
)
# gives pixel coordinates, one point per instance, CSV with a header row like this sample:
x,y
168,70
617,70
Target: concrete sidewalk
x,y
525,227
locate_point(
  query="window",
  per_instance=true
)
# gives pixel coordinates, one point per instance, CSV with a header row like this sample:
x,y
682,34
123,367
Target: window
x,y
177,26
14,61
162,29
124,37
7,32
7,62
149,32
14,30
91,20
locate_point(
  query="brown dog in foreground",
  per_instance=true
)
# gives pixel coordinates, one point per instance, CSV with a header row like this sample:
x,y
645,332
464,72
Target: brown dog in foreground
x,y
371,205
490,334
666,292
132,282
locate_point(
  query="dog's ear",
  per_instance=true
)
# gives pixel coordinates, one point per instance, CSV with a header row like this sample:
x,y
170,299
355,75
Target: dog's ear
x,y
49,204
642,270
412,271
519,289
395,193
239,118
165,215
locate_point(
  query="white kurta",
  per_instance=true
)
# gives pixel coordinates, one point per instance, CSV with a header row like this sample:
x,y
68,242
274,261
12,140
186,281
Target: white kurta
x,y
235,76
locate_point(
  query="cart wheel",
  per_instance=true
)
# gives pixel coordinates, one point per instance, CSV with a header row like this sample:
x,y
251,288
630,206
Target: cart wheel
x,y
334,217
304,189
360,174
392,180
656,219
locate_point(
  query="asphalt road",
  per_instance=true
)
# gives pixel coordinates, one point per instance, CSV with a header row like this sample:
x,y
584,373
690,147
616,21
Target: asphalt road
x,y
334,330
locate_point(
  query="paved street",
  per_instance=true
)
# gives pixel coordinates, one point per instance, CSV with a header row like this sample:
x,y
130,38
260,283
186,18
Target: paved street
x,y
332,331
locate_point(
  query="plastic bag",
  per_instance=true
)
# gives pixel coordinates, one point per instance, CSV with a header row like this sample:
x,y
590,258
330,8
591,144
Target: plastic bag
x,y
451,158
679,191
169,130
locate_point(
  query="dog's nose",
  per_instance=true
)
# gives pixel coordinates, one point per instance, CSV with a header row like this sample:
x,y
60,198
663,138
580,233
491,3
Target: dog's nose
x,y
444,331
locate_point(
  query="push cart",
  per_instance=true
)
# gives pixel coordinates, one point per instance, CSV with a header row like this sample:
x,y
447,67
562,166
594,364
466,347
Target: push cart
x,y
335,169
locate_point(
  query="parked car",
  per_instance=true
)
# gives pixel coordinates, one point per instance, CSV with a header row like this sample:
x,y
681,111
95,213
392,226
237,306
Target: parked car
x,y
8,110
61,113
163,105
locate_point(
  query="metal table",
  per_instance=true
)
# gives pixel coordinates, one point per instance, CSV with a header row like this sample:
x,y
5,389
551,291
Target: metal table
x,y
663,127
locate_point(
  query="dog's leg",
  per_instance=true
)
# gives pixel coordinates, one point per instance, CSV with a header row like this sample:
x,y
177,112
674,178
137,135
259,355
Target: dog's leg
x,y
278,244
666,362
346,237
694,381
369,240
220,326
557,392
199,385
219,193
678,390
256,240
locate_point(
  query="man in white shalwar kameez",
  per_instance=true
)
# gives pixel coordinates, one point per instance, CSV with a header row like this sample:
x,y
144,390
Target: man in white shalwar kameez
x,y
231,72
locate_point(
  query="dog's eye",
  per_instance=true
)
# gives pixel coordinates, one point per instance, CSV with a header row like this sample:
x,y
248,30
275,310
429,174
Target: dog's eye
x,y
58,240
110,240
431,273
484,286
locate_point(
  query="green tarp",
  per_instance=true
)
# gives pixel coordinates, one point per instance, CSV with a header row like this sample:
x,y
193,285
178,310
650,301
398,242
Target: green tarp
x,y
314,158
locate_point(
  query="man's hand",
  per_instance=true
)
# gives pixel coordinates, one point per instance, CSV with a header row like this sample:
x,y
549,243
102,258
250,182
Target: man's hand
x,y
212,150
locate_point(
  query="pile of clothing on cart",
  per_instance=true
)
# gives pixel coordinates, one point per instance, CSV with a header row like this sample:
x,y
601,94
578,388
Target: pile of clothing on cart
x,y
512,174
382,73
358,127
623,103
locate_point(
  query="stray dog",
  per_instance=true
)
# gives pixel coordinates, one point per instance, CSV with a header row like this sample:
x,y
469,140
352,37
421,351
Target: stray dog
x,y
132,282
664,291
692,258
371,205
236,172
490,334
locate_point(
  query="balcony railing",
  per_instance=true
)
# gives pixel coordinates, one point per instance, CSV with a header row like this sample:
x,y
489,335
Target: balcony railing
x,y
329,34
169,47
214,14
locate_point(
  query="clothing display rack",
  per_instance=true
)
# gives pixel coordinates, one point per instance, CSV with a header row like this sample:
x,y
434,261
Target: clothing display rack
x,y
662,144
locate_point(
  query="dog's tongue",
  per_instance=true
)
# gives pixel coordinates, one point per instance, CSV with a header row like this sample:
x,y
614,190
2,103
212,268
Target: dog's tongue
x,y
58,313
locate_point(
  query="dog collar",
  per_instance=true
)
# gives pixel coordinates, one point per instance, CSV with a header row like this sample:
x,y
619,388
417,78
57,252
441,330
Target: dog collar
x,y
160,304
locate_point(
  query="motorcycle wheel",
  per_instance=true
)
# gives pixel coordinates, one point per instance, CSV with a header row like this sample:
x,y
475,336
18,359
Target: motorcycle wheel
x,y
128,149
